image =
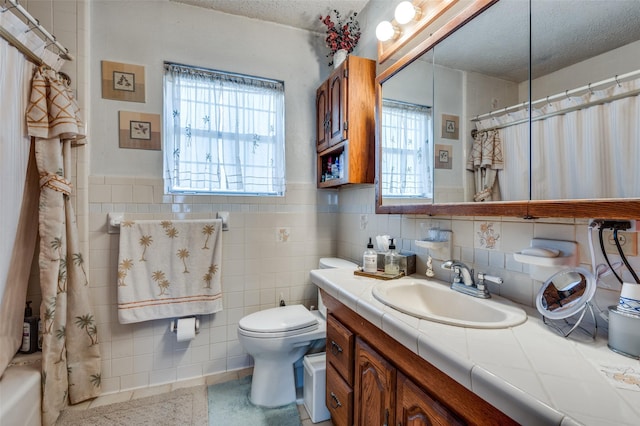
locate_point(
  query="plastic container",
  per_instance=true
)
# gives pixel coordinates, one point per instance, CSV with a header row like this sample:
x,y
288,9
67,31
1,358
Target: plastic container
x,y
315,380
624,332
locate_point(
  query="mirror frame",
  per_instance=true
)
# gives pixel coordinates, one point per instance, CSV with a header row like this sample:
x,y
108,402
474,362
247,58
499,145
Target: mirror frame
x,y
611,208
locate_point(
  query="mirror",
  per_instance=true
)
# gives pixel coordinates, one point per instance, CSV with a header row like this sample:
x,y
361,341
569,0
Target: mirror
x,y
481,76
567,294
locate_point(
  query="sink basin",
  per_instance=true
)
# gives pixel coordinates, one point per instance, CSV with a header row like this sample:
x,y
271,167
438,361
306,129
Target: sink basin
x,y
433,301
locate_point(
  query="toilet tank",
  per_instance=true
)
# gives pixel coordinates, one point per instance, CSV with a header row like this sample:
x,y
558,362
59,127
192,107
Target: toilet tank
x,y
331,263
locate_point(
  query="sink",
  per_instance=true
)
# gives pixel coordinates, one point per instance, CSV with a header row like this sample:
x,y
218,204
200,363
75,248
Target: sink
x,y
434,301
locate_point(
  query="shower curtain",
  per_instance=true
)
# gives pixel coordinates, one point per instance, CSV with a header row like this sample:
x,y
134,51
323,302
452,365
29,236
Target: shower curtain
x,y
592,152
70,353
582,147
18,225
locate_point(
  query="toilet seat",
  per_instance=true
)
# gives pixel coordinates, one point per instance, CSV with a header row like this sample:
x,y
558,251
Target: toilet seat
x,y
278,322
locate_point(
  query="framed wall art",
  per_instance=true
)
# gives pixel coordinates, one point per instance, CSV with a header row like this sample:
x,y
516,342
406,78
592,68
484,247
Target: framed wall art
x,y
443,158
450,126
122,82
138,130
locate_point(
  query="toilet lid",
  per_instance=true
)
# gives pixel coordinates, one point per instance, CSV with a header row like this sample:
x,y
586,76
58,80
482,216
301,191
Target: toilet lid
x,y
335,262
280,319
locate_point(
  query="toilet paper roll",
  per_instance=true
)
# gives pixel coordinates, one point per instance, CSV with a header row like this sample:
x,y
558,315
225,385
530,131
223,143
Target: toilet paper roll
x,y
186,329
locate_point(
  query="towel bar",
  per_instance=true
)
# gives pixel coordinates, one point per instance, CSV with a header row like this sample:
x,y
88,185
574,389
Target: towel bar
x,y
114,219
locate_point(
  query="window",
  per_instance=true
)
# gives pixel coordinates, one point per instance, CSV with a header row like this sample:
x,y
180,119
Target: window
x,y
223,133
407,170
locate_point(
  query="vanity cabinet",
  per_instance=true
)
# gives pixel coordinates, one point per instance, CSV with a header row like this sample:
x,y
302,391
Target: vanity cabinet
x,y
391,385
345,124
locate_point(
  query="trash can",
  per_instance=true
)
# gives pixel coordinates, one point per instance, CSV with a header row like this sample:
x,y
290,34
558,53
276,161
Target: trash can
x,y
315,377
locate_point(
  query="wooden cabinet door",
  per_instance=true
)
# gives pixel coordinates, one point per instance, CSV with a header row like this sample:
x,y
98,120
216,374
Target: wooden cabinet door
x,y
416,408
339,398
374,392
322,118
338,105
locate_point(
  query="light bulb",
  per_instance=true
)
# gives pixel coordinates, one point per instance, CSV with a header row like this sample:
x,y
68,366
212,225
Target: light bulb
x,y
405,12
385,31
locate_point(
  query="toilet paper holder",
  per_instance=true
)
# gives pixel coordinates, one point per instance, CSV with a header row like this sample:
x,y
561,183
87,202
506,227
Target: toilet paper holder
x,y
174,324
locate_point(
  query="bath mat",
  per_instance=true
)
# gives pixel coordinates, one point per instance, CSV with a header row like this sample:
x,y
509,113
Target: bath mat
x,y
186,406
229,405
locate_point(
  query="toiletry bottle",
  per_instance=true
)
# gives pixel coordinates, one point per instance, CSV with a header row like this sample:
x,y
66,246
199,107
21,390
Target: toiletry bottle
x,y
370,259
29,331
392,260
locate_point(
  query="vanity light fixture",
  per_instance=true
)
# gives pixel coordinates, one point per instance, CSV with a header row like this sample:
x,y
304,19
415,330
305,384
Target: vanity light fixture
x,y
386,31
410,19
407,12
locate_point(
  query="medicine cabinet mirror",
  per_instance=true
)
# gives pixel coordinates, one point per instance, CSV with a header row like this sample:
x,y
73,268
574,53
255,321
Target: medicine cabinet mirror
x,y
487,150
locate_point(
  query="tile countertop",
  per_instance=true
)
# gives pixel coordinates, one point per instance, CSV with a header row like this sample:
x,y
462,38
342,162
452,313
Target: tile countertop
x,y
532,374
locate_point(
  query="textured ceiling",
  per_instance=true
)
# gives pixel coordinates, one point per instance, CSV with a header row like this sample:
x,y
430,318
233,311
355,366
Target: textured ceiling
x,y
565,31
294,13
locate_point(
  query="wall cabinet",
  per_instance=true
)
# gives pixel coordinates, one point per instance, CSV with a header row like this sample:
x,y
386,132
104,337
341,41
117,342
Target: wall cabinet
x,y
381,382
345,124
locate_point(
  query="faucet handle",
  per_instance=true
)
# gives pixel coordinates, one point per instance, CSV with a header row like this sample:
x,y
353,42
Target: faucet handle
x,y
482,277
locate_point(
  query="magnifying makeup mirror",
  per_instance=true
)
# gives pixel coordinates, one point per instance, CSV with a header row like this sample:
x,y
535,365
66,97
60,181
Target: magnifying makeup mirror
x,y
565,298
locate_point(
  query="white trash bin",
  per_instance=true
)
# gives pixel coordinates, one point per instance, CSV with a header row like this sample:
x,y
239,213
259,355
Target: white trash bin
x,y
315,378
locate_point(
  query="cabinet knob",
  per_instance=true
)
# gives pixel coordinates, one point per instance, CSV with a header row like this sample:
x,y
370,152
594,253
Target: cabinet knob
x,y
335,402
335,348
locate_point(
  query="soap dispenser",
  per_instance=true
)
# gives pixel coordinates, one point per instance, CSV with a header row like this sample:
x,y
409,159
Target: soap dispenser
x,y
370,259
392,260
29,331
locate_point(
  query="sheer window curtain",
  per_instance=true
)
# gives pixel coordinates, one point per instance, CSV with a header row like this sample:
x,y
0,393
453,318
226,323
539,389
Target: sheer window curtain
x,y
224,133
407,152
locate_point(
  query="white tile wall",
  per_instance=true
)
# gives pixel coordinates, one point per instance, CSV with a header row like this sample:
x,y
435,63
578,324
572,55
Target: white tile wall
x,y
257,269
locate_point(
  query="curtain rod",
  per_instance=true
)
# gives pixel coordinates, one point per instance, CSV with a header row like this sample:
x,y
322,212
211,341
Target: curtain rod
x,y
33,23
589,87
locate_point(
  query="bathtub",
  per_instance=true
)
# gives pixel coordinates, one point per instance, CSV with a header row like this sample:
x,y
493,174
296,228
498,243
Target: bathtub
x,y
20,402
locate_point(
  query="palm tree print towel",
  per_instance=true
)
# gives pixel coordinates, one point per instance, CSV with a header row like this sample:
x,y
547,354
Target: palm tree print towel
x,y
169,269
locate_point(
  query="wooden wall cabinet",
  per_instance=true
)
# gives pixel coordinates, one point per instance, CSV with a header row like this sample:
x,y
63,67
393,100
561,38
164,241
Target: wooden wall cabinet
x,y
345,124
381,382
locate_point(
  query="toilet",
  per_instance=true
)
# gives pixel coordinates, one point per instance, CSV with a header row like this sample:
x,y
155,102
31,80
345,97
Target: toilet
x,y
278,337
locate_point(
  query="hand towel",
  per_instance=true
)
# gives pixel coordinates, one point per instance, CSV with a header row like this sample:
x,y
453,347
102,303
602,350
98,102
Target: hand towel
x,y
169,269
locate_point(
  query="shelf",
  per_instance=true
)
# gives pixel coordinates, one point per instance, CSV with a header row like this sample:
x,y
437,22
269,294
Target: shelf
x,y
434,245
440,250
542,267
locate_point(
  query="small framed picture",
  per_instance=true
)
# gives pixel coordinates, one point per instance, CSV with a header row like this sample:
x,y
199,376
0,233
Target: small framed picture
x,y
138,130
443,158
123,82
450,126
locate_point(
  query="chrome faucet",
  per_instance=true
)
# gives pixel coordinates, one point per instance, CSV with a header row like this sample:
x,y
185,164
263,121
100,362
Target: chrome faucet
x,y
464,282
